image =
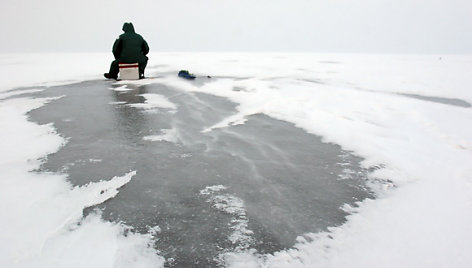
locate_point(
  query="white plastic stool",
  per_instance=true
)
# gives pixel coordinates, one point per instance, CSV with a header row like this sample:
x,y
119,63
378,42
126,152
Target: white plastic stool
x,y
129,71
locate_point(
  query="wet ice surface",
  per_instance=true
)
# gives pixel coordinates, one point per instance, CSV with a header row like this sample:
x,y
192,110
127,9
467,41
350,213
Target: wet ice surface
x,y
254,185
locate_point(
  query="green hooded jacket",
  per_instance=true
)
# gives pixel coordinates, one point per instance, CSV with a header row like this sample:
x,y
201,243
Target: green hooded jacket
x,y
130,47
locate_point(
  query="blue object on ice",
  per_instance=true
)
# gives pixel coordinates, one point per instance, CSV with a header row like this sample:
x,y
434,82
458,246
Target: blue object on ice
x,y
185,74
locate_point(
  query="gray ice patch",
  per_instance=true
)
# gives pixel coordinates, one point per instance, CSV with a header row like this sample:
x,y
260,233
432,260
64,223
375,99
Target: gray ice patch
x,y
448,101
281,182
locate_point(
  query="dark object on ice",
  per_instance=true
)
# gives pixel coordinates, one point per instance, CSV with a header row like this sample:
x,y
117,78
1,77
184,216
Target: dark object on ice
x,y
130,47
185,74
109,76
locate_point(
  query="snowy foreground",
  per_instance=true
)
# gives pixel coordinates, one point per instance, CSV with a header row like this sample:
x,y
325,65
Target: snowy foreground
x,y
409,115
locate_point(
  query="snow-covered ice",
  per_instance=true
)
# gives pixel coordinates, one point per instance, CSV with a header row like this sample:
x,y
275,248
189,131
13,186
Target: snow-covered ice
x,y
42,221
155,101
228,203
170,135
399,112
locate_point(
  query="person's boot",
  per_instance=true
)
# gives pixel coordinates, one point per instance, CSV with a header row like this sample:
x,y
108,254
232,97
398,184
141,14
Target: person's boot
x,y
109,76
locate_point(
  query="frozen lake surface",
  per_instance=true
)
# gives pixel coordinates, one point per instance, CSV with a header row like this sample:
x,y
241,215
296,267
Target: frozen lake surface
x,y
231,171
200,191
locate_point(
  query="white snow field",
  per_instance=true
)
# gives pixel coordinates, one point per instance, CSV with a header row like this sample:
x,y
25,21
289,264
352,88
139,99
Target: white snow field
x,y
409,115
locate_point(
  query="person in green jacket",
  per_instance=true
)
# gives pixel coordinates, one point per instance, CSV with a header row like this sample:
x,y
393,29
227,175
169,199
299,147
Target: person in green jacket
x,y
130,47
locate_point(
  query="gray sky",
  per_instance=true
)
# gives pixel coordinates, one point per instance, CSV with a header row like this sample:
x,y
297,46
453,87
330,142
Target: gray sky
x,y
372,26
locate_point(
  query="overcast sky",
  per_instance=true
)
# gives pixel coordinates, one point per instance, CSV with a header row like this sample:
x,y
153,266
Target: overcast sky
x,y
371,26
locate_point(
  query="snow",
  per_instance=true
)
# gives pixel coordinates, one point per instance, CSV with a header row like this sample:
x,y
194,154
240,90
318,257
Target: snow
x,y
33,69
154,101
121,88
424,148
241,237
170,135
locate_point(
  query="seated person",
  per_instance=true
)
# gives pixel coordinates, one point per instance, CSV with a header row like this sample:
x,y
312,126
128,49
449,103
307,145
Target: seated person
x,y
130,47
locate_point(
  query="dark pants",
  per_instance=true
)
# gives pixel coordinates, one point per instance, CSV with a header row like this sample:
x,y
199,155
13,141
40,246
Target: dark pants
x,y
115,68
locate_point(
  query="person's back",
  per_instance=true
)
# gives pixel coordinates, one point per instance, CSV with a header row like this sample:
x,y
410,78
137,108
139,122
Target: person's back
x,y
130,47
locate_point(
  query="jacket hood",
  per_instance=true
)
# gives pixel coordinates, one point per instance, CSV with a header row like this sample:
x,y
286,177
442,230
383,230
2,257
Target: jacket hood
x,y
128,27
